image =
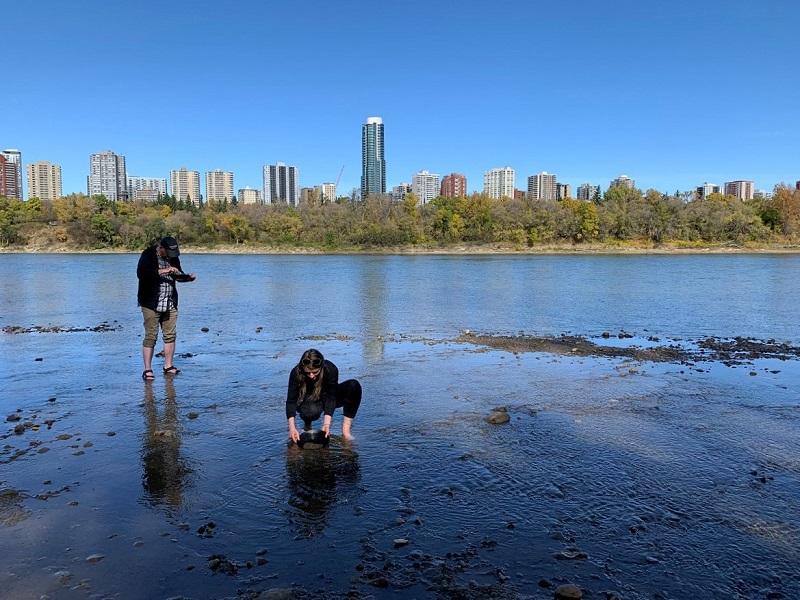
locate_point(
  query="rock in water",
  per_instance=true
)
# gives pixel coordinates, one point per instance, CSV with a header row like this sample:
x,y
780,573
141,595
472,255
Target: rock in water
x,y
498,417
568,591
95,558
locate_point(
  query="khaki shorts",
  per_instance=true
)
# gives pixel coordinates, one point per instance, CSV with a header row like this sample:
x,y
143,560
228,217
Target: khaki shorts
x,y
167,320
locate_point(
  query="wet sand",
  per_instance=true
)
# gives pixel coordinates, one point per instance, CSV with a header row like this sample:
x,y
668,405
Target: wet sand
x,y
629,467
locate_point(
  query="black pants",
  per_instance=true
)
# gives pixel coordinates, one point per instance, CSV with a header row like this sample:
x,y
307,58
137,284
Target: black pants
x,y
348,398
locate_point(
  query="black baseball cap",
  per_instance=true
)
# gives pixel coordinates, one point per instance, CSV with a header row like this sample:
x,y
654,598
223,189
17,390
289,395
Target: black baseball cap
x,y
170,244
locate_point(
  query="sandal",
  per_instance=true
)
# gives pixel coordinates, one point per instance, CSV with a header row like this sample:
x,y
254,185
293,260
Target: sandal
x,y
148,375
173,370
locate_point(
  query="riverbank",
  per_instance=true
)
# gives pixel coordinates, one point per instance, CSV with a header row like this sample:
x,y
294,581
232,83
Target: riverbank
x,y
681,248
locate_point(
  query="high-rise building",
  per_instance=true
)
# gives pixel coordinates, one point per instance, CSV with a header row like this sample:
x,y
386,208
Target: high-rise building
x,y
8,179
373,164
499,183
399,192
519,194
563,191
146,189
281,184
309,195
185,185
542,186
14,156
425,186
219,186
741,189
623,181
44,180
705,190
797,185
587,191
107,176
454,185
327,192
248,195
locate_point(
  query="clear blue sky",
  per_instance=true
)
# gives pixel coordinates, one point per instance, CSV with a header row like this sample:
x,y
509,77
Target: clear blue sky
x,y
670,93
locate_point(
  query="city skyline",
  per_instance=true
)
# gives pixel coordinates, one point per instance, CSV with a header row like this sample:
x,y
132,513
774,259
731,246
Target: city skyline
x,y
630,91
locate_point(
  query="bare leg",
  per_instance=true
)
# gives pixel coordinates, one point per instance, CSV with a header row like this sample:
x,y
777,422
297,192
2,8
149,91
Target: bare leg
x,y
147,357
347,424
169,353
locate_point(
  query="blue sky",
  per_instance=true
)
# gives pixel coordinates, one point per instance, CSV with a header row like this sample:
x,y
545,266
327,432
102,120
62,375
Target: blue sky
x,y
670,93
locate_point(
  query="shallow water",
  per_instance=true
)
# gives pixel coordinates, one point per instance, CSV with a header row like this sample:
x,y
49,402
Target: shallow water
x,y
650,480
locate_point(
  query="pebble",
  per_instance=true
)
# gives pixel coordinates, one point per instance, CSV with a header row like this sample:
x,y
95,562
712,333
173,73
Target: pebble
x,y
53,399
204,329
111,433
400,542
95,558
498,417
568,591
192,415
13,417
64,436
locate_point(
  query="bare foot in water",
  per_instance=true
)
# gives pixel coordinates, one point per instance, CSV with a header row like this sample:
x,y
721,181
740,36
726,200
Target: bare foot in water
x,y
347,424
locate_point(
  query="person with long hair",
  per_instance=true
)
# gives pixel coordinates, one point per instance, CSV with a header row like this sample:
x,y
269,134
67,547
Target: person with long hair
x,y
314,390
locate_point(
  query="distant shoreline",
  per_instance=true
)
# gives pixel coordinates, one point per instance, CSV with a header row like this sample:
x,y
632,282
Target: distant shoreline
x,y
455,250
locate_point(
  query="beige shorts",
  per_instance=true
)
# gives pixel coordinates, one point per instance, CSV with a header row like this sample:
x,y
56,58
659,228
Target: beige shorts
x,y
167,320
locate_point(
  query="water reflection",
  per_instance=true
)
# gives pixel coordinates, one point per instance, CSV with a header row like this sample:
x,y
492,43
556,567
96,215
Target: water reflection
x,y
318,480
374,296
165,472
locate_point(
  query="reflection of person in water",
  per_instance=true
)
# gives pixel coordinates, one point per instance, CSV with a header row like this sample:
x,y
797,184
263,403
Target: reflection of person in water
x,y
164,471
318,481
314,389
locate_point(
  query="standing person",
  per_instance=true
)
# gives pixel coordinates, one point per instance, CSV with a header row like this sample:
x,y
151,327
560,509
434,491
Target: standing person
x,y
314,389
158,270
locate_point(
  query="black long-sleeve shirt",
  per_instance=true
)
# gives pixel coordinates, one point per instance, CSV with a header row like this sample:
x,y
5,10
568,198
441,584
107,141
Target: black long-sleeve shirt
x,y
327,396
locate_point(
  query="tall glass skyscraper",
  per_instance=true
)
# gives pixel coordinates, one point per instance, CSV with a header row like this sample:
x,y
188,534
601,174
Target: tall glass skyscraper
x,y
373,165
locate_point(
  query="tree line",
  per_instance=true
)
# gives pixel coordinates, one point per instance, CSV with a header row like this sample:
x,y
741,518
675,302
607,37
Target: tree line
x,y
621,216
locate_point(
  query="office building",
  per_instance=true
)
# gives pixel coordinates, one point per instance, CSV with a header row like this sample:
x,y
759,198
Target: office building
x,y
741,189
425,186
373,164
454,185
185,185
14,157
281,184
587,191
44,180
248,195
146,189
327,191
219,186
705,190
542,186
499,182
623,181
107,176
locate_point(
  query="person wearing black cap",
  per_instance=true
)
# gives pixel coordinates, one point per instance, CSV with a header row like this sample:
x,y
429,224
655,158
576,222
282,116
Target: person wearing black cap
x,y
158,269
314,389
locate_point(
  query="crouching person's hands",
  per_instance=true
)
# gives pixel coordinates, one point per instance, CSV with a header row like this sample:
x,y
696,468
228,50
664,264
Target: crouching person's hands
x,y
294,435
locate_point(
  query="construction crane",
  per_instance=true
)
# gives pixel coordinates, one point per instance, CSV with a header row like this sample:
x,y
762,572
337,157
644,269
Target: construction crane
x,y
337,181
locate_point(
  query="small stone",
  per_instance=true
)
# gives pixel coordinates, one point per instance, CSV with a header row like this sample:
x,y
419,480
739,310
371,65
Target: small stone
x,y
95,558
138,544
19,429
64,436
53,399
204,329
192,415
261,552
400,542
13,417
498,417
111,433
38,359
88,445
753,373
43,450
568,591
